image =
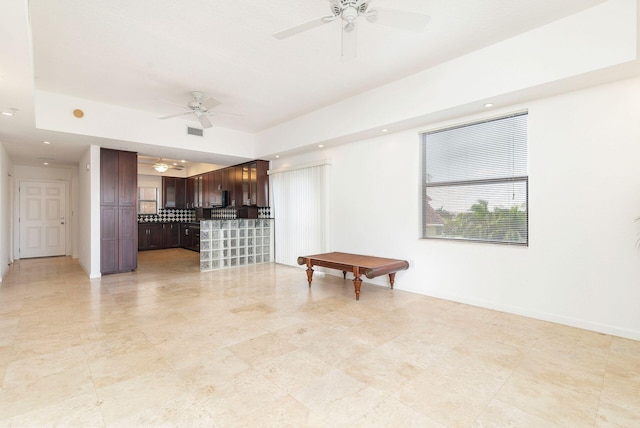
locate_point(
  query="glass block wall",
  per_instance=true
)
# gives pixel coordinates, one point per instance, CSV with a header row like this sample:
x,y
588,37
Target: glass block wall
x,y
231,243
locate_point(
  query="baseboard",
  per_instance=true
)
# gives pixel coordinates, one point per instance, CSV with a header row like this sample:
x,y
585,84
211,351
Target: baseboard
x,y
543,316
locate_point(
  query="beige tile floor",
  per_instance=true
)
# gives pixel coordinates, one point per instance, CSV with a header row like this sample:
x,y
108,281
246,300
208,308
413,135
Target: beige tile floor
x,y
254,347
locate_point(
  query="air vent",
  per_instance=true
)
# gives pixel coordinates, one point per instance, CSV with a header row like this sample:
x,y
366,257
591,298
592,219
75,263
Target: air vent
x,y
195,131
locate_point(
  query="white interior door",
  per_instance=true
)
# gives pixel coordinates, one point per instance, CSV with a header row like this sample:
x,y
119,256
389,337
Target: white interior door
x,y
43,223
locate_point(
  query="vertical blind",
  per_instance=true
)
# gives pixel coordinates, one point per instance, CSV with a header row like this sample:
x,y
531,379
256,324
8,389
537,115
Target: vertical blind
x,y
300,205
475,181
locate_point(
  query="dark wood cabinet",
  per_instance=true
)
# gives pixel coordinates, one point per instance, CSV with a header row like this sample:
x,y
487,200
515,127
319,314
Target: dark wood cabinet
x,y
191,192
211,191
150,236
109,177
246,184
190,236
118,211
235,191
156,236
194,192
225,175
109,259
174,192
171,235
262,184
255,183
128,179
216,188
128,237
186,240
206,191
199,191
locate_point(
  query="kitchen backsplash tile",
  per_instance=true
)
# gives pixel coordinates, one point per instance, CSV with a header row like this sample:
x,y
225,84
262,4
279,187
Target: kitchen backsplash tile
x,y
169,215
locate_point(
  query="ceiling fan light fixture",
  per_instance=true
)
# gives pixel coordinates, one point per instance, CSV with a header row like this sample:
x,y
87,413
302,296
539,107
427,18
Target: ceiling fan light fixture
x,y
161,167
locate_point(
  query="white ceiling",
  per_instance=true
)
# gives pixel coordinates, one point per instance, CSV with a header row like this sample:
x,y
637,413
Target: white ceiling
x,y
148,54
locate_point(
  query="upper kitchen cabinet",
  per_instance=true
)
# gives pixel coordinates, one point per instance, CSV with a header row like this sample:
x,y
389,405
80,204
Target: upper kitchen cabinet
x,y
260,183
235,193
255,183
194,192
245,184
216,187
205,200
174,191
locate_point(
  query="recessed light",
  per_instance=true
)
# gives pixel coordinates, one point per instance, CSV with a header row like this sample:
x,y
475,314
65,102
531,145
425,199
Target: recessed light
x,y
46,142
183,161
45,163
277,156
321,145
385,130
488,105
7,113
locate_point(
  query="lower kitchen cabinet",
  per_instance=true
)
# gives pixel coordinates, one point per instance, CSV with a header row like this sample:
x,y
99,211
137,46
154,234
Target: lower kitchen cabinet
x,y
155,236
149,236
190,236
171,235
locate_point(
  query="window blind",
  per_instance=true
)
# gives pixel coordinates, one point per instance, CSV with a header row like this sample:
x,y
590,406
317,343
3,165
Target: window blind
x,y
476,183
300,203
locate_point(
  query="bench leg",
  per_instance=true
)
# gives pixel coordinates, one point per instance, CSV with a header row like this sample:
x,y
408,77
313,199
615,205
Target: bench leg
x,y
344,274
357,282
309,275
392,278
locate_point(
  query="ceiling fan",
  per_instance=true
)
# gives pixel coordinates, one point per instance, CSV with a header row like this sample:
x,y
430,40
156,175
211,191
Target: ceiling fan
x,y
201,109
349,11
161,165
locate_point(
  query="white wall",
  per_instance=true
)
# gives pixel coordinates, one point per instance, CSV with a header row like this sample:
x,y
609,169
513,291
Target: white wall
x,y
5,212
89,212
582,267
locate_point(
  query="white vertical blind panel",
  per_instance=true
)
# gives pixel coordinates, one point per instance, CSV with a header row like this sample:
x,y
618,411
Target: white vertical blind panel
x,y
300,205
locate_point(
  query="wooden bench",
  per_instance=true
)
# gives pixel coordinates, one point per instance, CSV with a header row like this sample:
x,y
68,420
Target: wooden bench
x,y
370,266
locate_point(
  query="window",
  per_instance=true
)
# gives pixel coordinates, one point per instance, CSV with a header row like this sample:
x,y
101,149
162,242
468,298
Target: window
x,y
475,182
147,200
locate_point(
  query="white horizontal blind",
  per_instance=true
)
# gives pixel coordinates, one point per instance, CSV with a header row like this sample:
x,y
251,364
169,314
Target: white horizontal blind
x,y
300,204
476,183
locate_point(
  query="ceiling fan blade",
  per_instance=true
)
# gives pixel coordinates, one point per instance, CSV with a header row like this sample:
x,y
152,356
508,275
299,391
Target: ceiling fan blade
x,y
176,115
399,19
296,29
204,121
211,103
349,41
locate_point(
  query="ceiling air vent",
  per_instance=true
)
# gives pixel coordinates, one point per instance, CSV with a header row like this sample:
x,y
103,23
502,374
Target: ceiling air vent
x,y
194,131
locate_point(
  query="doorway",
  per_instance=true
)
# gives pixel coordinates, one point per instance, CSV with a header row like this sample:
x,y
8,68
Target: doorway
x,y
43,219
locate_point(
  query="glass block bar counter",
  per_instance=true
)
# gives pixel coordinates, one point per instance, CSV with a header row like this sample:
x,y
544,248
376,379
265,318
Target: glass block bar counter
x,y
232,243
